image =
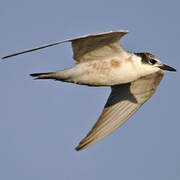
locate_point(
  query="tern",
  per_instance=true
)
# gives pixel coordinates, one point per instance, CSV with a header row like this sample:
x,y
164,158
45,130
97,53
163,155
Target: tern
x,y
101,61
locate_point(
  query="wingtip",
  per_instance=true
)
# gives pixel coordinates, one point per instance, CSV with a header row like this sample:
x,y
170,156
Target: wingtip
x,y
4,57
77,148
80,148
9,56
83,144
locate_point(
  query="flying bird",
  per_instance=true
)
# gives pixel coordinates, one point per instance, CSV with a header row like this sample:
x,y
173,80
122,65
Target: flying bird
x,y
101,61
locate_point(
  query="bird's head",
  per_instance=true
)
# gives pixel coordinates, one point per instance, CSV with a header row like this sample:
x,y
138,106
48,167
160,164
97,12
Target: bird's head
x,y
152,63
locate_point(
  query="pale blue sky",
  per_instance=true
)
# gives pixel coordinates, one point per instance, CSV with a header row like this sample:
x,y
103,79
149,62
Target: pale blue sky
x,y
41,122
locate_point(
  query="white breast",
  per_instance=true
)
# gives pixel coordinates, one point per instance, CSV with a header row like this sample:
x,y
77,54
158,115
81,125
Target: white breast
x,y
105,72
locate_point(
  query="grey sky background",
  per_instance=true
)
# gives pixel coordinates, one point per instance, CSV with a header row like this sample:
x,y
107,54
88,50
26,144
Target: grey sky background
x,y
41,122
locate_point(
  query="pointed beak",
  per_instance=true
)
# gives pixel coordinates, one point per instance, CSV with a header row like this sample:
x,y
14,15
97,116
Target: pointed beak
x,y
167,68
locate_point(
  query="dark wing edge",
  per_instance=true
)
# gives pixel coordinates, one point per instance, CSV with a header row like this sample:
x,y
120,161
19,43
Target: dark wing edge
x,y
60,42
34,49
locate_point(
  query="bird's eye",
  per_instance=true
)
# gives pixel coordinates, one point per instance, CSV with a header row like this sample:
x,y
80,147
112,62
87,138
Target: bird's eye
x,y
152,61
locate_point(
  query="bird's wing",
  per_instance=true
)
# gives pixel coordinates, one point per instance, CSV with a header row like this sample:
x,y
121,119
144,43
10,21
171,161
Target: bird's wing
x,y
90,47
98,46
122,103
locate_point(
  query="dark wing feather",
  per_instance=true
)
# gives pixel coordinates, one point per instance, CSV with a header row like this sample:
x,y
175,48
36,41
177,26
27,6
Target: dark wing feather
x,y
89,47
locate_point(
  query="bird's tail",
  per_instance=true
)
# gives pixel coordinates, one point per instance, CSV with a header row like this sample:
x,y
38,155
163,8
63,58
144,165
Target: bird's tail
x,y
49,75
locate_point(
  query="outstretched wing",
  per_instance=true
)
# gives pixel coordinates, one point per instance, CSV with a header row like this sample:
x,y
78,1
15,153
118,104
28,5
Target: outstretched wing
x,y
122,103
98,46
90,47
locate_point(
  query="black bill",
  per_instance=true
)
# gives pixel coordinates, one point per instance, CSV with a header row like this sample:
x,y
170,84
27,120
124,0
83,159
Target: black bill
x,y
167,68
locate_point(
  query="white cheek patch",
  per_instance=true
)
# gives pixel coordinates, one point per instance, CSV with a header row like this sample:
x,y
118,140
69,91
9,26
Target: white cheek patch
x,y
137,59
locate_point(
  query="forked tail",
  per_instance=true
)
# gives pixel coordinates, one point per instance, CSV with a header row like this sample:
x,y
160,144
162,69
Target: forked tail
x,y
49,75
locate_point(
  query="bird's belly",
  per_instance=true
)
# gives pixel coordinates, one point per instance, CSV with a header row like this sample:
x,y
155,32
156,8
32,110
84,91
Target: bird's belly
x,y
105,73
